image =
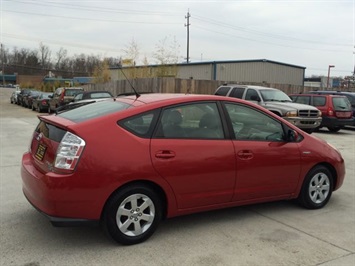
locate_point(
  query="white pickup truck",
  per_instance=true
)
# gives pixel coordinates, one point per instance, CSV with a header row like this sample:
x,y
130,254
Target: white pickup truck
x,y
304,116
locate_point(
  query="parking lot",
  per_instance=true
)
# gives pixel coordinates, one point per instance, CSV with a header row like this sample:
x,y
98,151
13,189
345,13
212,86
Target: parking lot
x,y
278,233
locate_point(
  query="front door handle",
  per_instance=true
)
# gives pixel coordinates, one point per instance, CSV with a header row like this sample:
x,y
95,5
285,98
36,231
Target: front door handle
x,y
165,154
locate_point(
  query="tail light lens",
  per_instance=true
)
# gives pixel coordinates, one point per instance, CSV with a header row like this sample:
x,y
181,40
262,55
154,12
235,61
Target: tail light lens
x,y
69,152
330,111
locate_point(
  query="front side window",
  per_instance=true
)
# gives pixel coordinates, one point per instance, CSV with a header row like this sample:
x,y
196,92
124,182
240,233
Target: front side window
x,y
252,124
251,95
191,121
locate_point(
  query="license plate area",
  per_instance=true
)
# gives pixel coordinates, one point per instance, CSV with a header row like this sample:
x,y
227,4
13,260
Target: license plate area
x,y
41,151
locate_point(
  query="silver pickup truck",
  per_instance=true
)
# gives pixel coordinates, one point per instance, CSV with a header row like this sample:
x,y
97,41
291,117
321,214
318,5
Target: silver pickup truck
x,y
304,116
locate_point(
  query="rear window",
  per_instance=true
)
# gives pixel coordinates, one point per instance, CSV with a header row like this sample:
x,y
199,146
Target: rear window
x,y
71,92
100,95
93,110
341,104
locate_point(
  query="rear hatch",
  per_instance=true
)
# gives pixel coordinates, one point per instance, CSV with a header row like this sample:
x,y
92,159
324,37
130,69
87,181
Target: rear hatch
x,y
57,146
45,142
342,107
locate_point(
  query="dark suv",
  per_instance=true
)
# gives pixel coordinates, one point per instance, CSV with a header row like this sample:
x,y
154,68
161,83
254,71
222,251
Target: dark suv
x,y
336,109
62,96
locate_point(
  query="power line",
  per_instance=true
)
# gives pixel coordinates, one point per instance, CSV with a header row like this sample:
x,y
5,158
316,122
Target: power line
x,y
270,35
90,19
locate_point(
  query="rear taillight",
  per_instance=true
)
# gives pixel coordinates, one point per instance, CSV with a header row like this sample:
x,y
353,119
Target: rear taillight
x,y
69,152
330,111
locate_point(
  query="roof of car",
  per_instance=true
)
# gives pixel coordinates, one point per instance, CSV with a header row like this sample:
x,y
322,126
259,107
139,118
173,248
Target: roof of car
x,y
314,94
249,86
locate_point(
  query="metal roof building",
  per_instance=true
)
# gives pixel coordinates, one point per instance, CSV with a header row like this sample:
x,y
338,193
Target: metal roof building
x,y
253,71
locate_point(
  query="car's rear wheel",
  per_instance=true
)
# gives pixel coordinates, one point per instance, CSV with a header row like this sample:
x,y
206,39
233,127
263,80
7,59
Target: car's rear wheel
x,y
334,129
317,188
132,214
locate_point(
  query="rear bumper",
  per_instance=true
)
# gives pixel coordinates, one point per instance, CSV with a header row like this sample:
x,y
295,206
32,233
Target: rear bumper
x,y
336,122
59,197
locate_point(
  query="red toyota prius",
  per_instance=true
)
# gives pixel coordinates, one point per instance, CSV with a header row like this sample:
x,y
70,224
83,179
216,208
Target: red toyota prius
x,y
132,161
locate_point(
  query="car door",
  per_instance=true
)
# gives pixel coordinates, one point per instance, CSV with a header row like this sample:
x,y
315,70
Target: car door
x,y
193,155
266,165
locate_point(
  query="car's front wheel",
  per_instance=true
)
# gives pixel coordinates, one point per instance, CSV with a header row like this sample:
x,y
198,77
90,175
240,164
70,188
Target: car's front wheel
x,y
317,188
132,214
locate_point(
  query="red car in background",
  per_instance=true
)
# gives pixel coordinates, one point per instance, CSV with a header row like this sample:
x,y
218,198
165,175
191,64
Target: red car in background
x,y
132,161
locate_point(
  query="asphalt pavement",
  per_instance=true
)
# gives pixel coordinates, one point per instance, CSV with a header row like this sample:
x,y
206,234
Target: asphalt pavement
x,y
278,233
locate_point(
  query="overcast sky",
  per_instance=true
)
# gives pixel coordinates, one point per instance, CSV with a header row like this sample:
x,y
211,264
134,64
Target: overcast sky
x,y
309,33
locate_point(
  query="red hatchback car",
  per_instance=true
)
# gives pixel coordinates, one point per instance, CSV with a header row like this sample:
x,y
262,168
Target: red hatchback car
x,y
130,162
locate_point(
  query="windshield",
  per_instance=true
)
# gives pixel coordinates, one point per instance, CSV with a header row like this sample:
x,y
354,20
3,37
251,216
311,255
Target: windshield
x,y
93,110
274,95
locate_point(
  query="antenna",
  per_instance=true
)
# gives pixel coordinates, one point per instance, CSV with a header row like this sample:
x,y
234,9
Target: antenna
x,y
135,92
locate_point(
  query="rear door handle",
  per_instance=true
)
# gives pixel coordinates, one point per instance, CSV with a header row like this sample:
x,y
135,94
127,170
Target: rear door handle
x,y
245,155
165,154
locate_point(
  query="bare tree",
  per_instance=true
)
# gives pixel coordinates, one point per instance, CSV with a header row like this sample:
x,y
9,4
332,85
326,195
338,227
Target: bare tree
x,y
167,51
45,55
131,53
61,55
167,56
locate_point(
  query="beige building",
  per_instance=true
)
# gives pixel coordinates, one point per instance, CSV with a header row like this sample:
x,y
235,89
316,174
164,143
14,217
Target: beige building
x,y
243,71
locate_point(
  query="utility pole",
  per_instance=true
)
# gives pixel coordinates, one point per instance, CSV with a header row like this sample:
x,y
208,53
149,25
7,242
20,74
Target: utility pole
x,y
188,35
2,61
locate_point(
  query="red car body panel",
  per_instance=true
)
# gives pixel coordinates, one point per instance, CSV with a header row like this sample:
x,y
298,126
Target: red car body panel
x,y
194,175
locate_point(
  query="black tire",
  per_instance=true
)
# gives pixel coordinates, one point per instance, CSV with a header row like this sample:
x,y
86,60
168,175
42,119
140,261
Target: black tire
x,y
334,129
317,188
128,224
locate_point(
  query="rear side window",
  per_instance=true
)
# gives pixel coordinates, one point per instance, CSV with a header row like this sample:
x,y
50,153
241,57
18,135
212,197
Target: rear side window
x,y
222,91
94,110
141,125
237,93
319,100
301,99
191,121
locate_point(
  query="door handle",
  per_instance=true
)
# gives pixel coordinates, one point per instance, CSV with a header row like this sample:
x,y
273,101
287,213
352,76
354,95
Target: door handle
x,y
245,155
165,154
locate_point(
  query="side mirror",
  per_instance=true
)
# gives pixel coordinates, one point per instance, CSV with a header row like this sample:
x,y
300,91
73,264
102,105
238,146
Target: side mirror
x,y
292,135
